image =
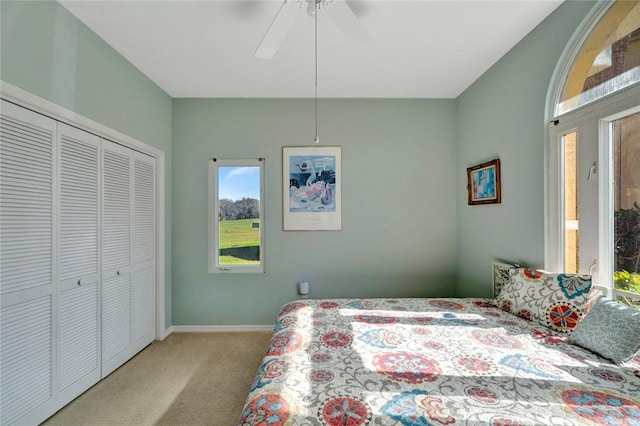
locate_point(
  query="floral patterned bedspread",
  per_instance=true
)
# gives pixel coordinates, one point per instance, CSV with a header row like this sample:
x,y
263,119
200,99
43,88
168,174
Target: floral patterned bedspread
x,y
431,362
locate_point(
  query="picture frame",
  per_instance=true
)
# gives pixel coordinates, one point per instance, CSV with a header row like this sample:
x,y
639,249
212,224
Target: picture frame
x,y
483,183
312,188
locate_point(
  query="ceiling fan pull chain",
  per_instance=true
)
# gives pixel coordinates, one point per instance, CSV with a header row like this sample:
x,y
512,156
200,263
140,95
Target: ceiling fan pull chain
x,y
316,139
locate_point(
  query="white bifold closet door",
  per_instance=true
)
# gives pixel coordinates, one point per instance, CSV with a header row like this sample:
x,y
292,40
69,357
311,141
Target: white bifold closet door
x,y
144,251
79,260
128,271
117,226
49,263
27,274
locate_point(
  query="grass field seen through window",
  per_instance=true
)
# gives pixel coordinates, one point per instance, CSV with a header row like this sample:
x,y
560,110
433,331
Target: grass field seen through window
x,y
239,242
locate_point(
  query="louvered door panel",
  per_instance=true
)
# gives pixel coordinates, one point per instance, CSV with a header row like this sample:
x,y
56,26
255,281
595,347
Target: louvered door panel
x,y
79,203
78,338
26,199
25,363
144,309
27,239
117,223
78,284
144,306
144,204
116,316
117,210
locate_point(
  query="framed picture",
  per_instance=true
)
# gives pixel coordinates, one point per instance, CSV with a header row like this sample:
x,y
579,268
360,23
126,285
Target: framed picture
x,y
312,182
483,183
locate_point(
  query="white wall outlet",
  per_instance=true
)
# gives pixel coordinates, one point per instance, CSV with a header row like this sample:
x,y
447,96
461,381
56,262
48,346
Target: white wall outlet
x,y
303,288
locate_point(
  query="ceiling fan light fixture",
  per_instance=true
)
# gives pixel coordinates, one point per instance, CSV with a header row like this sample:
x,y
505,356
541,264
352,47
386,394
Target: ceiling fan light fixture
x,y
313,6
340,11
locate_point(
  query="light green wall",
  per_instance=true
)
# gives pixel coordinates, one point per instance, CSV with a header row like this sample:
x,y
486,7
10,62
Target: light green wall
x,y
399,231
404,234
503,115
46,51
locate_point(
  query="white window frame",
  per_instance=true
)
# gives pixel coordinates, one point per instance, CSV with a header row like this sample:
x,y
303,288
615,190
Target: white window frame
x,y
214,208
605,111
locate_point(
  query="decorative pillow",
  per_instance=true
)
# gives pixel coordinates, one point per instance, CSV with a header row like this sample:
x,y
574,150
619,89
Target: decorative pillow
x,y
557,301
611,330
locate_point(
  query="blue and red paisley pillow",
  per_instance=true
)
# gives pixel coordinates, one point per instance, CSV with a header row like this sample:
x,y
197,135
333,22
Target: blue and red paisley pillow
x,y
557,301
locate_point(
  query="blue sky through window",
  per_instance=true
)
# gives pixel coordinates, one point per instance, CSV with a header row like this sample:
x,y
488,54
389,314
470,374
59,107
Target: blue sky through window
x,y
236,183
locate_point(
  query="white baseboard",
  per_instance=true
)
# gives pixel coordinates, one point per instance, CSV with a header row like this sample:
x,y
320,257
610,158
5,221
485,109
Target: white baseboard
x,y
220,328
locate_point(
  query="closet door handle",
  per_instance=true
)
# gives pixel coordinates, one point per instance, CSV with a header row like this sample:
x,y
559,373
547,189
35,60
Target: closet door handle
x,y
118,272
80,281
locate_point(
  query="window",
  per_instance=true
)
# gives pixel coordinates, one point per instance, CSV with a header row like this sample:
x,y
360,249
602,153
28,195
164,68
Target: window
x,y
625,135
594,178
236,215
595,195
608,59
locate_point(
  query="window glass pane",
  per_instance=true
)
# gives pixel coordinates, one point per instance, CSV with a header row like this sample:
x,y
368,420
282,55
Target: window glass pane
x,y
571,248
609,59
626,148
239,215
236,222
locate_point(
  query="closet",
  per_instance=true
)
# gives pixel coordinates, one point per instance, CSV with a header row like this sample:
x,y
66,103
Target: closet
x,y
77,261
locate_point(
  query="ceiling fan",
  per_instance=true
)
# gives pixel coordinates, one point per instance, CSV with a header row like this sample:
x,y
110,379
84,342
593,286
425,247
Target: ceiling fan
x,y
339,10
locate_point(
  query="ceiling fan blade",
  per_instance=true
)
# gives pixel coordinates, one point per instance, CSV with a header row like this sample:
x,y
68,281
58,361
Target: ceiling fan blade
x,y
348,22
278,29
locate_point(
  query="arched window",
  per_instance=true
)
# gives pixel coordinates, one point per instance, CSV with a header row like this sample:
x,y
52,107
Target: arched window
x,y
593,203
608,59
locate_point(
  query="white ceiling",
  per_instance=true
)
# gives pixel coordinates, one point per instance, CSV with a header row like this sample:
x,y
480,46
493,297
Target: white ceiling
x,y
421,49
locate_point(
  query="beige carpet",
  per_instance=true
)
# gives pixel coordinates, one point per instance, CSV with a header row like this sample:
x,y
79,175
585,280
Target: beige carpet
x,y
187,379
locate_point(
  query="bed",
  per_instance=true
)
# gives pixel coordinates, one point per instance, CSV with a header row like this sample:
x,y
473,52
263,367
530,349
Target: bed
x,y
432,362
